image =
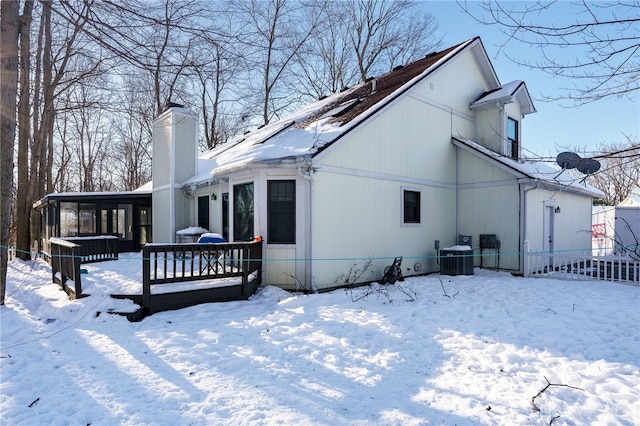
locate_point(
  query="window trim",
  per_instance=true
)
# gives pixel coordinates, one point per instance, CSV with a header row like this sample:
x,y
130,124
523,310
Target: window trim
x,y
403,220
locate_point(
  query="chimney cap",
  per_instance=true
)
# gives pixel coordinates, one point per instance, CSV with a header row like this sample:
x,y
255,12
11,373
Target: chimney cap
x,y
170,104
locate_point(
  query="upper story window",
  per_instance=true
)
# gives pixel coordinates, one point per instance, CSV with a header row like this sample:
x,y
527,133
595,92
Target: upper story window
x,y
513,143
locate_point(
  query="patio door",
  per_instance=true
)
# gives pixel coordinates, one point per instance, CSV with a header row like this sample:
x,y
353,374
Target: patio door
x,y
243,212
115,219
108,218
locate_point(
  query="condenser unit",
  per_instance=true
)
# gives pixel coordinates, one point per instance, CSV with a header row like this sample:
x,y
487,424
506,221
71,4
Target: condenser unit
x,y
456,261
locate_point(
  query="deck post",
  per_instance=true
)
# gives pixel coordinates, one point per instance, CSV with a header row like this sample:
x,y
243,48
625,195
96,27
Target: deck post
x,y
75,264
146,279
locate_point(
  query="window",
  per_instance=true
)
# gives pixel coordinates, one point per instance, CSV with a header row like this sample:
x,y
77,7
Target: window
x,y
512,138
144,216
225,215
203,212
411,206
243,212
68,219
87,219
281,211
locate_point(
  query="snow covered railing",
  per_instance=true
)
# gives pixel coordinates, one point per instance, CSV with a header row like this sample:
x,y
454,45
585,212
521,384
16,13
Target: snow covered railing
x,y
582,267
65,266
216,264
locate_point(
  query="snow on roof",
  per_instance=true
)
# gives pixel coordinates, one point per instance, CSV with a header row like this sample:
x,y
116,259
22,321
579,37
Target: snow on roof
x,y
145,188
307,131
506,94
536,170
633,200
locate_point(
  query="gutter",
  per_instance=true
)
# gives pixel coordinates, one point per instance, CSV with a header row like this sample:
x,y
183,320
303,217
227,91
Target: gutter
x,y
220,174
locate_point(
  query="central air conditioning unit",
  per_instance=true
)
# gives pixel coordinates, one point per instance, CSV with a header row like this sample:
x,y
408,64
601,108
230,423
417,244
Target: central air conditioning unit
x,y
456,261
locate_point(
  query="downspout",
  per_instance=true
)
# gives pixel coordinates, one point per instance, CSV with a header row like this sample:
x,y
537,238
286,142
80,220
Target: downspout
x,y
457,194
523,216
457,201
309,228
209,203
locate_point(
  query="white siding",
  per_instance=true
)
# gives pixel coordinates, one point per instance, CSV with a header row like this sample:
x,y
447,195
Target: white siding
x,y
359,182
489,129
360,218
627,229
572,225
489,204
603,245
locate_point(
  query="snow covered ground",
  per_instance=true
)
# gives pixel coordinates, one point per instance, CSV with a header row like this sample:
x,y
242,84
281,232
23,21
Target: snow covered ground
x,y
467,350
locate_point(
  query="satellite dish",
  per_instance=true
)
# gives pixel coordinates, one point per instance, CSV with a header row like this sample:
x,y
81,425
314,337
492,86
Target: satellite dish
x,y
568,160
589,166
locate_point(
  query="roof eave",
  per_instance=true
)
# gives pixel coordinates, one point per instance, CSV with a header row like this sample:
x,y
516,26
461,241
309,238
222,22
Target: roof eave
x,y
522,176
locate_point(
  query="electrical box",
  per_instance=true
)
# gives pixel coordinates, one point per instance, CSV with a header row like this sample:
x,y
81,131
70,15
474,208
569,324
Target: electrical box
x,y
465,240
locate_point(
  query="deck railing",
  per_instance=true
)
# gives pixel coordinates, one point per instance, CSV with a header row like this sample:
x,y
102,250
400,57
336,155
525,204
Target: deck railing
x,y
67,254
65,266
582,267
215,264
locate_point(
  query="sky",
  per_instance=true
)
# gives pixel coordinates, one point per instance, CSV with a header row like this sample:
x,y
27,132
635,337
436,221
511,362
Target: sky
x,y
553,128
442,350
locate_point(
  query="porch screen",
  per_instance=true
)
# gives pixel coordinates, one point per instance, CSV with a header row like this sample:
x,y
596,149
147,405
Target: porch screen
x,y
243,212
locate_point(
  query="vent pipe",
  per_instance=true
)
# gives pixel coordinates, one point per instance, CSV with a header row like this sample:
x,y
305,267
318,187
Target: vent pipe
x,y
373,86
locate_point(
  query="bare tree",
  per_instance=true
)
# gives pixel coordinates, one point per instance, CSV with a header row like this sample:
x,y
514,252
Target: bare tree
x,y
9,32
24,128
363,38
619,174
328,64
54,73
131,122
388,29
596,46
217,94
152,36
273,40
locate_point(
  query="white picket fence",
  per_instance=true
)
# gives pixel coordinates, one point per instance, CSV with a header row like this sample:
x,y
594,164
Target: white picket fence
x,y
582,267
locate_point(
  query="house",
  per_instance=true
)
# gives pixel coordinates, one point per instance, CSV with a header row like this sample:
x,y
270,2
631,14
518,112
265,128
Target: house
x,y
616,229
405,164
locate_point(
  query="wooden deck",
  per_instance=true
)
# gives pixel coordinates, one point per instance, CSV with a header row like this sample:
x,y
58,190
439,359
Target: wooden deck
x,y
176,276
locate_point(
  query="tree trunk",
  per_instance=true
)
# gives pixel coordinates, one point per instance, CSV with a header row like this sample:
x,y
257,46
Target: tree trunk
x,y
23,207
9,30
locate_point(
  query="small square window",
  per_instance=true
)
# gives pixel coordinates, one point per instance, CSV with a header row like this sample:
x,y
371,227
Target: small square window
x,y
411,206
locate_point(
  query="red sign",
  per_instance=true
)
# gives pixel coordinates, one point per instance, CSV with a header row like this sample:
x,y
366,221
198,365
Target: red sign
x,y
598,230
